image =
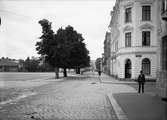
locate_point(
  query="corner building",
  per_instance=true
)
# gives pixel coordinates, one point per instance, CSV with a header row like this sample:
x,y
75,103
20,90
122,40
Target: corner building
x,y
162,50
134,35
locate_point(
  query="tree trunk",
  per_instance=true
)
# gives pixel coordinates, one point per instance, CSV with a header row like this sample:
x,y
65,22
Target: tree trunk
x,y
77,70
57,73
65,72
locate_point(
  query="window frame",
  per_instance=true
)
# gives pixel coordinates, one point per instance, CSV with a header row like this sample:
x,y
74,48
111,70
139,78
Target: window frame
x,y
164,6
145,38
128,15
146,12
146,64
128,39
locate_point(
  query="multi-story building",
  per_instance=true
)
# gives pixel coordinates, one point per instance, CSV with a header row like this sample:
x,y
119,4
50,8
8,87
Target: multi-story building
x,y
162,50
106,61
8,65
134,35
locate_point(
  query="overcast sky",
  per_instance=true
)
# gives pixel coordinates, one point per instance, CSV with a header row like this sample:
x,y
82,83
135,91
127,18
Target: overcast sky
x,y
19,30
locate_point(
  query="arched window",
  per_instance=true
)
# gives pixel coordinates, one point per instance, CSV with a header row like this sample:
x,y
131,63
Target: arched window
x,y
146,66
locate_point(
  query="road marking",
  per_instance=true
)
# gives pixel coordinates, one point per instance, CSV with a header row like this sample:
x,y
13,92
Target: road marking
x,y
118,110
10,101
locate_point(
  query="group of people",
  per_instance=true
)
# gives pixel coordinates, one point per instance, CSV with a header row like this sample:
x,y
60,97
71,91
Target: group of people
x,y
141,81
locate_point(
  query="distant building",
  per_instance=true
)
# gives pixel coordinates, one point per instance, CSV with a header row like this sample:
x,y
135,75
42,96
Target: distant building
x,y
92,65
107,53
134,35
162,50
8,65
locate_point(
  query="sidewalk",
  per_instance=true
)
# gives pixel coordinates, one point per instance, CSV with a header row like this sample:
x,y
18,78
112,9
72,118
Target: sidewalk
x,y
108,79
135,106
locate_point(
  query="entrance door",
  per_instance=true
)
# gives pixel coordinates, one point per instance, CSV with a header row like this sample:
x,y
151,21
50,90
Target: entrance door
x,y
164,53
128,68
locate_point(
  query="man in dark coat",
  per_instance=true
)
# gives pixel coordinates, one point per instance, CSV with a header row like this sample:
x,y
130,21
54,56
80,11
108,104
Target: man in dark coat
x,y
141,81
99,72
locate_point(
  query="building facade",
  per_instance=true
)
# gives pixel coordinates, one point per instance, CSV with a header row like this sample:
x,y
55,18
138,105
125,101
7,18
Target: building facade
x,y
106,59
8,65
162,50
134,35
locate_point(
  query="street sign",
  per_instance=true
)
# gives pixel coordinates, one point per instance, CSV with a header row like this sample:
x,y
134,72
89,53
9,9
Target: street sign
x,y
138,55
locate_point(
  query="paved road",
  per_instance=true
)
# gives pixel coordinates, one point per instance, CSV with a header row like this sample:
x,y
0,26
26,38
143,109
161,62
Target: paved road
x,y
77,97
23,76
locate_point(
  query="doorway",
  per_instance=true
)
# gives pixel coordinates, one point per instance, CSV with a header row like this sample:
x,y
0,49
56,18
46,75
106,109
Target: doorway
x,y
128,68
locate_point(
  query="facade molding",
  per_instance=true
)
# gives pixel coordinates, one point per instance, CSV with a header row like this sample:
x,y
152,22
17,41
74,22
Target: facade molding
x,y
135,53
145,2
128,5
146,26
128,28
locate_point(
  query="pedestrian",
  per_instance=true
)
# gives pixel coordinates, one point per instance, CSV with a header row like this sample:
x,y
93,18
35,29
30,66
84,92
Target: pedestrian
x,y
99,72
141,81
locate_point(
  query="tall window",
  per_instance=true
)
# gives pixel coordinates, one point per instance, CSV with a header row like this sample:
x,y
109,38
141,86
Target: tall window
x,y
164,53
128,15
164,5
146,66
146,38
146,13
128,39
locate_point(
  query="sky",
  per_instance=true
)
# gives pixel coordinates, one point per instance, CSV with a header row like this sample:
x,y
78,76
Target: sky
x,y
19,30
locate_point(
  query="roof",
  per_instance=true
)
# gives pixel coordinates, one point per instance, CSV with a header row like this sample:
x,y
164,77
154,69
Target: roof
x,y
7,62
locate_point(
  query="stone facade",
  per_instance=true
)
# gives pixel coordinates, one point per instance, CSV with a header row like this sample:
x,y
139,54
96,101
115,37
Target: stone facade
x,y
106,61
134,35
162,50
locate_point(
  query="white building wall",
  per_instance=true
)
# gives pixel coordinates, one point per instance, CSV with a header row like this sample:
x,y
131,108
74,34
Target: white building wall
x,y
136,63
135,27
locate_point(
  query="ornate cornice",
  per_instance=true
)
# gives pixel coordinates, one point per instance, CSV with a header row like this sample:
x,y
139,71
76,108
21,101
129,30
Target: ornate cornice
x,y
143,2
128,28
128,4
147,26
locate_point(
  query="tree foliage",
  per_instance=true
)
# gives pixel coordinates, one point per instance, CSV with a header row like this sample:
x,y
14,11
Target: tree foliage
x,y
65,49
33,65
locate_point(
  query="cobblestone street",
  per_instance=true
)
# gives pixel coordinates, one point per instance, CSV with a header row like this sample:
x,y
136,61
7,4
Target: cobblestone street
x,y
77,97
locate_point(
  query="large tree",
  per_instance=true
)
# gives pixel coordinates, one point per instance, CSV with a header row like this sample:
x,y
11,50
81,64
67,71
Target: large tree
x,y
65,49
47,47
74,52
79,55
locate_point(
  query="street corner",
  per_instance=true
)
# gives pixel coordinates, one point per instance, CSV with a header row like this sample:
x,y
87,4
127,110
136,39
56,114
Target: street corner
x,y
141,106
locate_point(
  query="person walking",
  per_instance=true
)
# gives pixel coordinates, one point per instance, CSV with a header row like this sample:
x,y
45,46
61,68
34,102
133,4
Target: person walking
x,y
99,72
141,81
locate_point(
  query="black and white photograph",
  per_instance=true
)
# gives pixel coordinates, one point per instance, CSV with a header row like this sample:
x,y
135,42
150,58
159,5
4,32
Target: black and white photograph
x,y
83,59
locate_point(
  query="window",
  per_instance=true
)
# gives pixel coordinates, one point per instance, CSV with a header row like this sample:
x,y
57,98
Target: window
x,y
128,39
128,15
146,66
164,5
146,13
164,53
146,38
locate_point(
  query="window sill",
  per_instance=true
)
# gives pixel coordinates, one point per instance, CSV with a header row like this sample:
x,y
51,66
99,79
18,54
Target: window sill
x,y
128,22
146,46
146,21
